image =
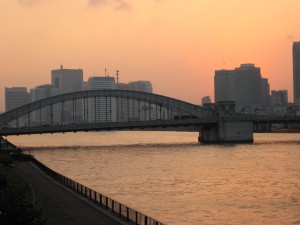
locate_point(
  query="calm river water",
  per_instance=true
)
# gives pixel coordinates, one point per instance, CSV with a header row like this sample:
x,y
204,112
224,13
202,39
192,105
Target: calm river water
x,y
170,177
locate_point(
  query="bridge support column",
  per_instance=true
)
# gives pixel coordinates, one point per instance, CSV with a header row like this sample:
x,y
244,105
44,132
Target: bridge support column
x,y
228,132
230,128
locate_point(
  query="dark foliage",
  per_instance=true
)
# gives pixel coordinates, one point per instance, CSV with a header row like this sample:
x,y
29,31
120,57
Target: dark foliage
x,y
16,210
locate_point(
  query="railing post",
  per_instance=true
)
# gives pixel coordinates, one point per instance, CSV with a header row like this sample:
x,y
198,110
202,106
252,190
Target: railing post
x,y
120,210
100,199
106,202
90,194
146,220
113,206
136,218
127,213
95,196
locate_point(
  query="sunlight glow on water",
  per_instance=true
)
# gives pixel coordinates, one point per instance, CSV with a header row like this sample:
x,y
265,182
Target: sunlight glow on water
x,y
170,177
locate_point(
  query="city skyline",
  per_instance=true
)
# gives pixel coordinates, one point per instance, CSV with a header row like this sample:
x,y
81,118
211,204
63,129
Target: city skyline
x,y
177,45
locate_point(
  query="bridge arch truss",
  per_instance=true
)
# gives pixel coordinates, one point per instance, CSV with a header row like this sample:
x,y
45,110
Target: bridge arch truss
x,y
103,106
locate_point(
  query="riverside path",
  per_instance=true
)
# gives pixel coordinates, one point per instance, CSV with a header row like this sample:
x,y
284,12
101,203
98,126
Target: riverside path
x,y
61,206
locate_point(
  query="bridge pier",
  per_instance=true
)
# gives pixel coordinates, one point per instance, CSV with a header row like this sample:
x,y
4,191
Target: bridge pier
x,y
227,132
230,129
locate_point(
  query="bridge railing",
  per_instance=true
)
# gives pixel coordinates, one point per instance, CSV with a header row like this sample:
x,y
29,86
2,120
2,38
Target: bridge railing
x,y
118,209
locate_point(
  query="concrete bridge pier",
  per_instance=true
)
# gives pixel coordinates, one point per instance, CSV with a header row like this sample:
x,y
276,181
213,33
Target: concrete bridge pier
x,y
227,132
230,128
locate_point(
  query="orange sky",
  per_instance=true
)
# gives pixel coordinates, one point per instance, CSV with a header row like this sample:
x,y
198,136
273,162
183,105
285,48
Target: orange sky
x,y
176,44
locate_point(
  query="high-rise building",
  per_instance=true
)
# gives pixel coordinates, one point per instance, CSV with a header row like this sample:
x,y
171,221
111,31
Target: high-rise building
x,y
244,85
43,115
101,109
142,111
265,94
144,86
134,110
279,98
296,72
14,98
66,81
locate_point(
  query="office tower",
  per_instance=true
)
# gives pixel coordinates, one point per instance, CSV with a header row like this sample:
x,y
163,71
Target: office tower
x,y
42,116
205,100
49,114
14,98
144,86
66,81
279,98
101,109
244,85
134,110
265,93
296,72
142,111
56,108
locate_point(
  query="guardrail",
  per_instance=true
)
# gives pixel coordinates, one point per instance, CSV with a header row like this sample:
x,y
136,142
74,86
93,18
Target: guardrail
x,y
117,208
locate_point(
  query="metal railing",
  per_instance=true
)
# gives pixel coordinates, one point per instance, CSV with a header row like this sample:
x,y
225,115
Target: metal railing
x,y
115,207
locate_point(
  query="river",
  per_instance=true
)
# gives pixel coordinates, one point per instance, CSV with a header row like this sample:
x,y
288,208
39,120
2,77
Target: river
x,y
172,178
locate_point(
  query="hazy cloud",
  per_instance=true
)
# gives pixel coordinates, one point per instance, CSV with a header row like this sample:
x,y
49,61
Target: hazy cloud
x,y
122,5
290,36
97,2
29,2
117,4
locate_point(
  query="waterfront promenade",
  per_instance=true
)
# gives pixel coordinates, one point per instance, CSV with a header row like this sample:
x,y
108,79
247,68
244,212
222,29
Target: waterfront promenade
x,y
60,205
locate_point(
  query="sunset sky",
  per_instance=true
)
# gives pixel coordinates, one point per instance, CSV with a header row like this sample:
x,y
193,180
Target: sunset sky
x,y
176,44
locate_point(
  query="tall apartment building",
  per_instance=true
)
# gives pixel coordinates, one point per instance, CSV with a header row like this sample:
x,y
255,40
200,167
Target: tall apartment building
x,y
101,109
296,72
14,98
66,81
279,98
244,85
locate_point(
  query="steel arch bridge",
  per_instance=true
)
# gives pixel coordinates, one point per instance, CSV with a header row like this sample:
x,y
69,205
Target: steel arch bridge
x,y
138,101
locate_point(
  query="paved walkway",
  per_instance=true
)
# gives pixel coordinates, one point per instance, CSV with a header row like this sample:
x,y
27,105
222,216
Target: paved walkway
x,y
61,206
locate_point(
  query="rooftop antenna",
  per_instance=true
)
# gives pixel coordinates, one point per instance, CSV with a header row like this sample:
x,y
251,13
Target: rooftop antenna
x,y
105,71
117,76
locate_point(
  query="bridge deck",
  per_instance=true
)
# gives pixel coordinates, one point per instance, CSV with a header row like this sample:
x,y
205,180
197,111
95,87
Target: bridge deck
x,y
187,124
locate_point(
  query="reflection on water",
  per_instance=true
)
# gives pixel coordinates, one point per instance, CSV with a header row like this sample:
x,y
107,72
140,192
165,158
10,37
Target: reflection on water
x,y
168,176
